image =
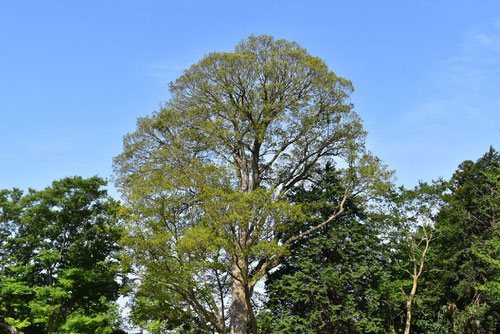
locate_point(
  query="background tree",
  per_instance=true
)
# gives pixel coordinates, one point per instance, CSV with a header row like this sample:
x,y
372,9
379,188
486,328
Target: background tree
x,y
331,281
410,239
457,289
467,248
14,294
58,265
205,178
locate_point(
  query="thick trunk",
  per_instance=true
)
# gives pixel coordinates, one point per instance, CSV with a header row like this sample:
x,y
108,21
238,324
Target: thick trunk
x,y
251,314
239,306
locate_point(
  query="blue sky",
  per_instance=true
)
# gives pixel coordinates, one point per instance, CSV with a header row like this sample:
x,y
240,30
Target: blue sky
x,y
75,75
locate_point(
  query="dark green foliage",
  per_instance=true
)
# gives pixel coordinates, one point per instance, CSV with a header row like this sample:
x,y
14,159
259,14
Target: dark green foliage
x,y
330,282
57,258
409,219
467,249
458,289
344,279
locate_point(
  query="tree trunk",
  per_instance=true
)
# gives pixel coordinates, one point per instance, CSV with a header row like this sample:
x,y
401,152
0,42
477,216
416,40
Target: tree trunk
x,y
251,314
452,308
418,269
239,307
10,329
408,314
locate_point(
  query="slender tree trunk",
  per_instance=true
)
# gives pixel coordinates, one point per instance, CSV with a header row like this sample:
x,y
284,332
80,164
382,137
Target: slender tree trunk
x,y
409,303
452,308
10,329
418,268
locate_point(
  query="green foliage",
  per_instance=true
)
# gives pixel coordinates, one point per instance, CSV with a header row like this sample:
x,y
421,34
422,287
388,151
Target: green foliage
x,y
353,276
331,282
95,323
467,248
458,289
205,177
57,257
410,238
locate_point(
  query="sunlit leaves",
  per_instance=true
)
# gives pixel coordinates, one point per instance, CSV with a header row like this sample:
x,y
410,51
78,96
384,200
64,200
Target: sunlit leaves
x,y
59,257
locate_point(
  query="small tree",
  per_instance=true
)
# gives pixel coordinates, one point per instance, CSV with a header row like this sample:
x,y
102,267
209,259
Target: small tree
x,y
413,213
205,178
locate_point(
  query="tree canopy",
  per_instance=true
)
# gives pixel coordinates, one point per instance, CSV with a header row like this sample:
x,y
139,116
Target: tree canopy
x,y
58,265
206,177
467,249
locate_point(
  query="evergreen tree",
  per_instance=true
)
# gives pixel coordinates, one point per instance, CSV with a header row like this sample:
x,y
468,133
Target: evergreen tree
x,y
467,251
330,283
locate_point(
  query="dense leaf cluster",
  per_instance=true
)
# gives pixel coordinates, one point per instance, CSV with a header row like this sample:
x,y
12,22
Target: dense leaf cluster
x,y
331,281
58,270
356,276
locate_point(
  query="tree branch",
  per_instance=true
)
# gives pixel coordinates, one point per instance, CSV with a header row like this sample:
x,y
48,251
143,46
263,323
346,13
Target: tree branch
x,y
313,229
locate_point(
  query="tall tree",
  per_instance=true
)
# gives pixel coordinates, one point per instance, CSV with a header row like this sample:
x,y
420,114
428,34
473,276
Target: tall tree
x,y
58,258
468,246
206,176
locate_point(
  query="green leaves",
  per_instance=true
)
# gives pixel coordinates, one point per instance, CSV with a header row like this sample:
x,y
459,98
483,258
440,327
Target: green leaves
x,y
206,177
467,247
59,256
332,280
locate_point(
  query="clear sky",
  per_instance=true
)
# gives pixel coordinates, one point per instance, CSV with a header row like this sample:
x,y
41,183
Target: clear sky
x,y
75,75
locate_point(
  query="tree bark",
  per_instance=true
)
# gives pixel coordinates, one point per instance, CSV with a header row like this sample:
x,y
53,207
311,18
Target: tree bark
x,y
10,329
251,314
239,311
417,272
409,303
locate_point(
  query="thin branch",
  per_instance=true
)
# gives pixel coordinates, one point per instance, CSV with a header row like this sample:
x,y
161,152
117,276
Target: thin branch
x,y
313,229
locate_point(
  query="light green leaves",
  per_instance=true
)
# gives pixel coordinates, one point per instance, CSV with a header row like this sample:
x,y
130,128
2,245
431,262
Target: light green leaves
x,y
206,177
